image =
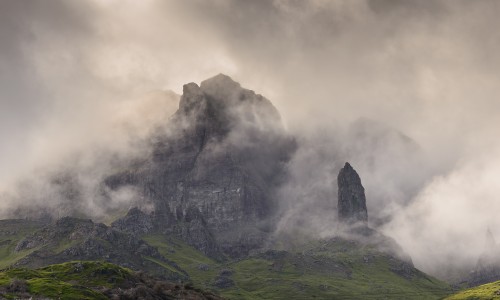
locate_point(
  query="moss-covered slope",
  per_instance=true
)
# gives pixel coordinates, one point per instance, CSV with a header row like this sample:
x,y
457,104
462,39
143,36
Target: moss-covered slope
x,y
329,269
91,280
11,233
336,268
70,239
483,292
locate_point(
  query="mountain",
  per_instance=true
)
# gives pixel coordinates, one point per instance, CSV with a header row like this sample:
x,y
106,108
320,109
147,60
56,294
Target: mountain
x,y
212,177
211,187
357,264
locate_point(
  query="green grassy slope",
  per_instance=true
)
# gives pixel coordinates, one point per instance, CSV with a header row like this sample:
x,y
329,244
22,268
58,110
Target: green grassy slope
x,y
11,232
335,269
91,280
23,244
187,257
482,292
72,280
331,269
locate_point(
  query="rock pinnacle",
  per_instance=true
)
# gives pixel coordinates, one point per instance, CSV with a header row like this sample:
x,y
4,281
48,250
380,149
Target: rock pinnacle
x,y
351,198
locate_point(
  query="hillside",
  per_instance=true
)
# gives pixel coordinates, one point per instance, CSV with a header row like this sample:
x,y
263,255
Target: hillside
x,y
336,268
487,291
81,280
11,232
33,245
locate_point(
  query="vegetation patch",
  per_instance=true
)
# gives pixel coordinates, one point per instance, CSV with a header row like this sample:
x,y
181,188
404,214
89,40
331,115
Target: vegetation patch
x,y
92,280
482,292
334,269
11,233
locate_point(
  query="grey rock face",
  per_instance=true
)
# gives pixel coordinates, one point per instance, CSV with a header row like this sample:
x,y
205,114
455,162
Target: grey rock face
x,y
195,231
213,172
351,196
135,222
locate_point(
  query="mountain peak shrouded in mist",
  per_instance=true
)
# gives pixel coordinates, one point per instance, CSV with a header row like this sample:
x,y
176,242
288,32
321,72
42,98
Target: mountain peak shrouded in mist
x,y
351,196
211,180
222,106
219,84
70,79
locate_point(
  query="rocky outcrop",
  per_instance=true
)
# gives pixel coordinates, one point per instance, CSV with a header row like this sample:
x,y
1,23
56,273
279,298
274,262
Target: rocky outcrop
x,y
136,222
351,196
214,170
78,239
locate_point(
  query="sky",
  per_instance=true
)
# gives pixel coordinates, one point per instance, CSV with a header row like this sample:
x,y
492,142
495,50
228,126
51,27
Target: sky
x,y
76,76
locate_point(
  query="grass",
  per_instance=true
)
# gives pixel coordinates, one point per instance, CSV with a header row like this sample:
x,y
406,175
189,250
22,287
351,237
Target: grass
x,y
91,280
482,292
317,270
163,265
334,269
188,258
71,280
256,279
11,233
61,290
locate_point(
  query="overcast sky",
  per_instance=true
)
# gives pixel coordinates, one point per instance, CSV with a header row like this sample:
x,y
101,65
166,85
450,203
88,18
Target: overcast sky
x,y
427,68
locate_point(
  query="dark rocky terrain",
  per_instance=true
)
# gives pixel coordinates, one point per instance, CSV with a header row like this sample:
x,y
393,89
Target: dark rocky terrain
x,y
78,239
212,177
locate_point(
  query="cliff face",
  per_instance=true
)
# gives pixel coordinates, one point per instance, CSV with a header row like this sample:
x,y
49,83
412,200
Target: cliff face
x,y
351,199
212,176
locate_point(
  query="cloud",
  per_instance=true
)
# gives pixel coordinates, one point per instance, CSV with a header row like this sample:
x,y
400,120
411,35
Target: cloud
x,y
446,224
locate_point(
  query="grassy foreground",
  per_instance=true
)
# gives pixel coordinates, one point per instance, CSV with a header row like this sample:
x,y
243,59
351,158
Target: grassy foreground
x,y
90,280
482,292
319,269
337,269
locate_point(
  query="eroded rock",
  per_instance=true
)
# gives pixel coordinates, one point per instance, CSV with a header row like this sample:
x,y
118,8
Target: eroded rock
x,y
351,196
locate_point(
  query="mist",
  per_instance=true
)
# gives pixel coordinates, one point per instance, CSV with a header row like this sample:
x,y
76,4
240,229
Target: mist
x,y
406,91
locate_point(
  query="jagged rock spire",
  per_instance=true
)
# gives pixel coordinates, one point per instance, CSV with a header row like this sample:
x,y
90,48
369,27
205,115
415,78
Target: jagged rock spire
x,y
351,198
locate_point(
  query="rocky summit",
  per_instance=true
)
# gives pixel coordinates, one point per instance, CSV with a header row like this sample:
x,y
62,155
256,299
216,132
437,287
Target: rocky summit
x,y
351,196
212,175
